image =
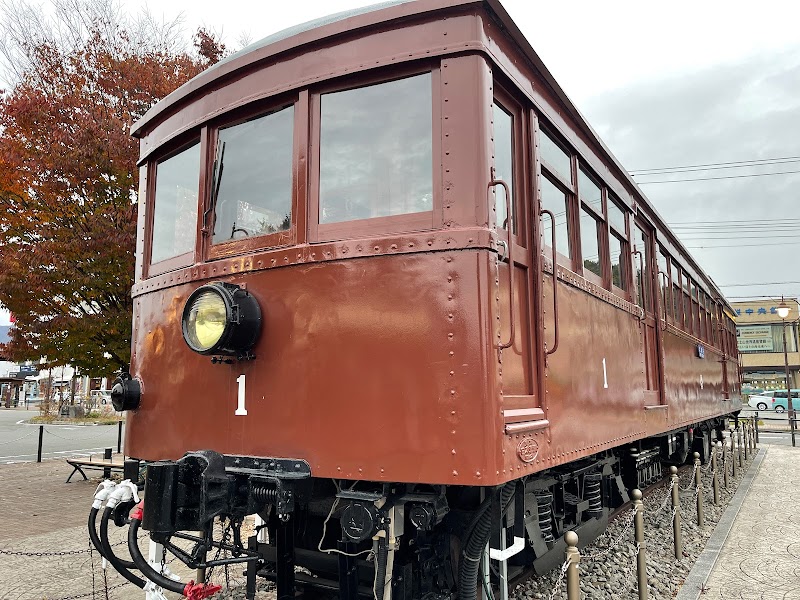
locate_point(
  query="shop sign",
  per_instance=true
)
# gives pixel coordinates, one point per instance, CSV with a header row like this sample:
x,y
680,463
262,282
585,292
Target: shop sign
x,y
754,338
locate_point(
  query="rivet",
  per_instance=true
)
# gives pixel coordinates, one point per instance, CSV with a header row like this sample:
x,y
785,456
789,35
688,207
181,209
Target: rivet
x,y
449,296
455,473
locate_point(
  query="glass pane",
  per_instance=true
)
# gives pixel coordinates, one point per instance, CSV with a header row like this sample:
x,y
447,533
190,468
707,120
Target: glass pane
x,y
617,265
642,260
616,216
590,248
253,183
175,209
376,151
554,200
589,192
503,162
677,311
555,156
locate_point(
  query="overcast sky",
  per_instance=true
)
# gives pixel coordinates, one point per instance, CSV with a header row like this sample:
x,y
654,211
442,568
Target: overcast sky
x,y
665,85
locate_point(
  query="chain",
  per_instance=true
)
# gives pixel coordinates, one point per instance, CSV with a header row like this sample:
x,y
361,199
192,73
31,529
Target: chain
x,y
627,524
29,434
561,574
691,482
41,554
667,497
91,565
87,594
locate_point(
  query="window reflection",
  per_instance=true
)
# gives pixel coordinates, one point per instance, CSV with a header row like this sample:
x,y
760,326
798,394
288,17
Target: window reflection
x,y
503,162
554,200
376,151
590,248
252,189
555,156
616,217
590,192
175,208
616,247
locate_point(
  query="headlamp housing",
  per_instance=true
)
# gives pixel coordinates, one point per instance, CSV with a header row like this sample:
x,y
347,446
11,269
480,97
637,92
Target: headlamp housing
x,y
221,318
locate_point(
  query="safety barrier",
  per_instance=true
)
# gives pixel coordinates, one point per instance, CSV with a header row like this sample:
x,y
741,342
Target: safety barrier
x,y
87,434
723,460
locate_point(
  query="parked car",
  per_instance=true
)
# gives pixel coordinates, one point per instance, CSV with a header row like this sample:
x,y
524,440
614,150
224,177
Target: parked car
x,y
780,400
762,401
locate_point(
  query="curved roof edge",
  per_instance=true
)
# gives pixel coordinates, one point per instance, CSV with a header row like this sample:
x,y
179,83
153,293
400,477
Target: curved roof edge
x,y
295,37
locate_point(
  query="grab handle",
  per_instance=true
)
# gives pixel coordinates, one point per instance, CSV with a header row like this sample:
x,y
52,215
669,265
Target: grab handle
x,y
510,246
544,211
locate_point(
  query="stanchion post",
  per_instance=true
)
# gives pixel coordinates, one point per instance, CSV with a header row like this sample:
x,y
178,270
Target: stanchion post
x,y
755,421
676,510
119,437
107,456
739,444
714,478
39,451
724,461
638,532
746,434
698,482
574,557
755,433
733,454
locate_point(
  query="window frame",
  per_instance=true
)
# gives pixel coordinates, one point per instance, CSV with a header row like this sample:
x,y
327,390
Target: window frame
x,y
279,239
375,226
182,143
519,165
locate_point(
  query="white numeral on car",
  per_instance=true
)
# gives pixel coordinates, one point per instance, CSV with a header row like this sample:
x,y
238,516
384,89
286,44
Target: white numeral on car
x,y
605,375
240,409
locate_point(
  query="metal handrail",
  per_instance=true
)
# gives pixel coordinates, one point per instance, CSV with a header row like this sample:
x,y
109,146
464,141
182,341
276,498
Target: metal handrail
x,y
555,281
510,233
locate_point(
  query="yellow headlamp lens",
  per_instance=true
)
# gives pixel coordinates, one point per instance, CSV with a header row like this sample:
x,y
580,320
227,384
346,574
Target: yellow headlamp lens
x,y
206,320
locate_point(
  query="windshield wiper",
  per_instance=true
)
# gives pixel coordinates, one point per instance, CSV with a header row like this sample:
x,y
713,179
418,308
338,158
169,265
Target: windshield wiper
x,y
216,180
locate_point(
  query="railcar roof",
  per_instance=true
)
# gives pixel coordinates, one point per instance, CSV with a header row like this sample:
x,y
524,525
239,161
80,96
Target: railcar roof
x,y
370,16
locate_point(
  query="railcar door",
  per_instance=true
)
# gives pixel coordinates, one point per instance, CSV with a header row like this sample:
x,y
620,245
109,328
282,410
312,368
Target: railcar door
x,y
511,167
646,298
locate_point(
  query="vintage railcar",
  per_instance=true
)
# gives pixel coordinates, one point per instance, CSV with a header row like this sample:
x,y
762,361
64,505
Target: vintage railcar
x,y
388,279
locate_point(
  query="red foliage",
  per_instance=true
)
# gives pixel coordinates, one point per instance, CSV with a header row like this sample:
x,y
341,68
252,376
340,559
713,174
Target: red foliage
x,y
68,183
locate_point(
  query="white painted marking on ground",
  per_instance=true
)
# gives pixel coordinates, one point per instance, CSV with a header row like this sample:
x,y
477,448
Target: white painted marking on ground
x,y
84,450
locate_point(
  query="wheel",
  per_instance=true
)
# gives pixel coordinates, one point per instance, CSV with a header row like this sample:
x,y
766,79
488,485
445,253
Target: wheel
x,y
780,409
762,406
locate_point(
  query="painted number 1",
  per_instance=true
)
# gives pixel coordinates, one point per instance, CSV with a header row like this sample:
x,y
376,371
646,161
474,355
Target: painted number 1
x,y
240,409
605,375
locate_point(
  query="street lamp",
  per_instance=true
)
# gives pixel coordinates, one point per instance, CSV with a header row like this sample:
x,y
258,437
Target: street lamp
x,y
783,312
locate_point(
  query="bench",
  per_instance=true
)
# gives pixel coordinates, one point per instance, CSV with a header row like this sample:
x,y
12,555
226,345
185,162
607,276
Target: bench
x,y
79,464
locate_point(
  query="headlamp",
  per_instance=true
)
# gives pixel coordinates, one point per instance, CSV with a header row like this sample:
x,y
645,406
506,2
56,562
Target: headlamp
x,y
221,318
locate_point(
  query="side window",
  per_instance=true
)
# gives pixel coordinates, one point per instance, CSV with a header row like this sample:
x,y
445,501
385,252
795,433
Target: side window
x,y
688,323
591,222
677,296
642,258
557,194
376,151
618,243
177,187
252,184
503,138
556,200
662,280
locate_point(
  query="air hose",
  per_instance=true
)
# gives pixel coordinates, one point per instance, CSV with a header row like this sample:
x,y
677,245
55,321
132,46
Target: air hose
x,y
144,566
380,567
475,543
108,553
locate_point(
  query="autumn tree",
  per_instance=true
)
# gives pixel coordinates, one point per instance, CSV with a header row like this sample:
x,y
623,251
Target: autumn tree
x,y
68,175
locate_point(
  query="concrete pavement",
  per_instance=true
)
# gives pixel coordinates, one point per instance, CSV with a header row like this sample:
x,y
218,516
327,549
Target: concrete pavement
x,y
758,558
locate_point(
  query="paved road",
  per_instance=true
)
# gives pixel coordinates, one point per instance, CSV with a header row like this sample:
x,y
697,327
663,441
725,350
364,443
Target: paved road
x,y
19,441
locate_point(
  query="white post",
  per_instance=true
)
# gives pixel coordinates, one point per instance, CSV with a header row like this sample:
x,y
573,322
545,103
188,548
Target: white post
x,y
155,552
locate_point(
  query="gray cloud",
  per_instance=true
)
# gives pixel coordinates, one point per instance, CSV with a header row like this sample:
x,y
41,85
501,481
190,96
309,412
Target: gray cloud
x,y
733,112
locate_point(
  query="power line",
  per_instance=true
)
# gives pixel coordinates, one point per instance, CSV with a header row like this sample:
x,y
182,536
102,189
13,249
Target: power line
x,y
765,283
716,178
737,221
741,246
721,236
696,169
735,162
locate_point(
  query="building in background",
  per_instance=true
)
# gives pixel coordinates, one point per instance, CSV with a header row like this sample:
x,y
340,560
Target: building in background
x,y
759,332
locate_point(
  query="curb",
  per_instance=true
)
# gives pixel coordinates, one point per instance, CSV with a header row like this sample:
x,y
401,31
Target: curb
x,y
695,581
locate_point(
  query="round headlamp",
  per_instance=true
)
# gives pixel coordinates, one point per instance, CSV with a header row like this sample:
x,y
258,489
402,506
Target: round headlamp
x,y
221,318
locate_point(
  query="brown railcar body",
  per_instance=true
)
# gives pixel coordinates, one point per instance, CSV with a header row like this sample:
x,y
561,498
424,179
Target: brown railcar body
x,y
379,358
